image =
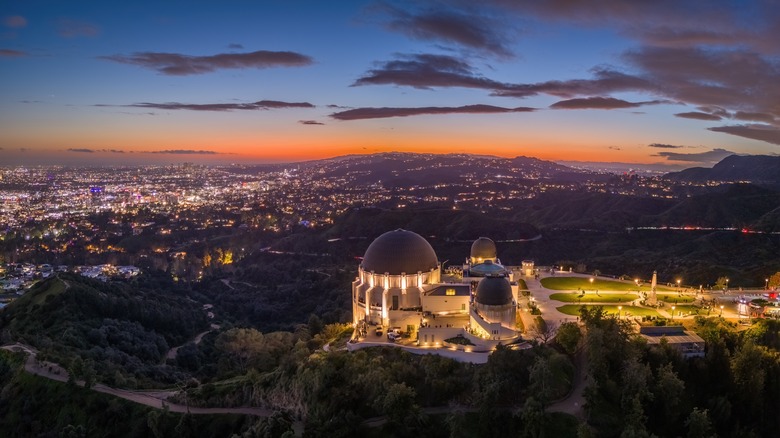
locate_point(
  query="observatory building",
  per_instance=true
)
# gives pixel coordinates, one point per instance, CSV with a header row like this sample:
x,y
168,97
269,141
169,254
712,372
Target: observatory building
x,y
400,289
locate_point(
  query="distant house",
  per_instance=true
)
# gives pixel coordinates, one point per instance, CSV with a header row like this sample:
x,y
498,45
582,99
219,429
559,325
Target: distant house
x,y
687,342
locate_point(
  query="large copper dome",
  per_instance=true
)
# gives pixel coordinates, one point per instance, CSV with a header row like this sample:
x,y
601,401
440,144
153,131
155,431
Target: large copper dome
x,y
483,248
399,251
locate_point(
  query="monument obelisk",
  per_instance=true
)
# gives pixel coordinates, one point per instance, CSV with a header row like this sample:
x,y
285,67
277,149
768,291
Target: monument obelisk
x,y
653,300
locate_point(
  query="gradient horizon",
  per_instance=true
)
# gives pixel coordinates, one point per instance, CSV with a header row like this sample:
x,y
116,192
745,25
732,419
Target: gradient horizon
x,y
276,81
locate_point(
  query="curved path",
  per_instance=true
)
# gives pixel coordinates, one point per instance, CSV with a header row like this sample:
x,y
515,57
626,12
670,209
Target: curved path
x,y
152,398
196,340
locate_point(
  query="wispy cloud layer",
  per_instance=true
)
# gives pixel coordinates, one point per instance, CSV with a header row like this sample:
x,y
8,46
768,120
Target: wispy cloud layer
x,y
176,64
381,113
767,133
698,116
600,103
664,146
709,157
12,53
185,152
310,122
92,151
259,105
469,29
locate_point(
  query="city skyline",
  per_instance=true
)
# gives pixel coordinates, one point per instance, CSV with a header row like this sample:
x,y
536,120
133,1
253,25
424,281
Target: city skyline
x,y
677,83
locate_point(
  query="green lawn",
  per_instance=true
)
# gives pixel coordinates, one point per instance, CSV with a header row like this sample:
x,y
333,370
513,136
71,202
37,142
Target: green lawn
x,y
574,309
574,283
685,309
674,298
591,297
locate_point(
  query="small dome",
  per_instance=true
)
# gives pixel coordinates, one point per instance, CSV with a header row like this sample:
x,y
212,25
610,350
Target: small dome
x,y
486,269
483,248
399,251
494,291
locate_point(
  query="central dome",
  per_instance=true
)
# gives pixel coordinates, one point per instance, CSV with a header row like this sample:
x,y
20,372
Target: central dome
x,y
494,291
400,251
483,248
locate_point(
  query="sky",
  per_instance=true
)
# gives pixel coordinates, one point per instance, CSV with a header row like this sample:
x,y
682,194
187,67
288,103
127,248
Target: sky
x,y
672,82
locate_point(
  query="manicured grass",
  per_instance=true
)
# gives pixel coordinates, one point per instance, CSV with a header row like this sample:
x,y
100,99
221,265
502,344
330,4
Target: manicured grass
x,y
686,309
674,298
574,309
521,284
591,297
574,283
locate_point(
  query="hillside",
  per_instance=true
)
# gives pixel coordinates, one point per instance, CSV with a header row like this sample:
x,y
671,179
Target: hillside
x,y
127,329
764,169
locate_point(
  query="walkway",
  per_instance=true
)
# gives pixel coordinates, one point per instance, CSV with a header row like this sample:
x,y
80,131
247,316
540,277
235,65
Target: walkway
x,y
152,398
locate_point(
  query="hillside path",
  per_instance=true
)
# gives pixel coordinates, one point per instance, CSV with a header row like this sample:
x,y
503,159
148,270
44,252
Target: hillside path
x,y
152,398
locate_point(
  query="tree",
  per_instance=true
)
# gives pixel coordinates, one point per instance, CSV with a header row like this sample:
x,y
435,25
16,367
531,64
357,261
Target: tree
x,y
543,331
699,424
774,280
568,336
533,418
722,283
668,394
400,407
242,344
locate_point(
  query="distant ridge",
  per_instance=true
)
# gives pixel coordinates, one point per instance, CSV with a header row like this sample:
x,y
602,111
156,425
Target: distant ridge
x,y
759,169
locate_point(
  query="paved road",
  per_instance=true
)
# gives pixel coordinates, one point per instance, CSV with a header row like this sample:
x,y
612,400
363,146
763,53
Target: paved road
x,y
152,398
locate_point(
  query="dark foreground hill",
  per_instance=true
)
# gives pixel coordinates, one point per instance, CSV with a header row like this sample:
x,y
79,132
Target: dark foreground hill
x,y
760,169
127,329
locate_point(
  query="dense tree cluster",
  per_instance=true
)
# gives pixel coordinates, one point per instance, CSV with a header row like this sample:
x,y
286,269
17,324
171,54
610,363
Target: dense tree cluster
x,y
636,390
124,329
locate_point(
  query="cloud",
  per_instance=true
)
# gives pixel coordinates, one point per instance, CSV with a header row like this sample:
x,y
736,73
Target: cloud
x,y
310,122
259,105
14,21
716,110
600,103
715,79
664,146
176,64
767,133
712,156
698,116
754,117
68,28
381,113
664,23
468,29
431,71
12,53
427,71
92,151
185,152
235,46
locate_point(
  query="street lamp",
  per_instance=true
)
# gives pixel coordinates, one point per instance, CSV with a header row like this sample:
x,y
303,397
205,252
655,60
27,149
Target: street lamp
x,y
766,283
672,313
678,283
721,310
620,308
591,282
